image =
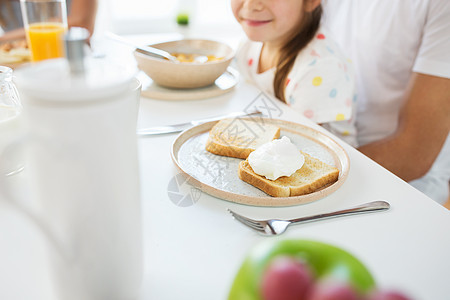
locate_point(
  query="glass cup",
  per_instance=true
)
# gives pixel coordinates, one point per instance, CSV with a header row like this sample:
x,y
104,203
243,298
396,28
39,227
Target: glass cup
x,y
10,125
45,23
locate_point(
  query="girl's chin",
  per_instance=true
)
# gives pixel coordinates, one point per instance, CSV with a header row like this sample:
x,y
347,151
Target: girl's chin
x,y
256,36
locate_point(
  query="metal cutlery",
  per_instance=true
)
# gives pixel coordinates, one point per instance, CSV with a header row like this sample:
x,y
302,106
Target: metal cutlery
x,y
183,126
147,50
276,226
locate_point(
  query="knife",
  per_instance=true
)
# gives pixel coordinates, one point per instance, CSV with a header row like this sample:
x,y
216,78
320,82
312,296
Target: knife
x,y
182,126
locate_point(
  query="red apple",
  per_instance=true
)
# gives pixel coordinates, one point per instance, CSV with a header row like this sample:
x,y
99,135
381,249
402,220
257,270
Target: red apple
x,y
387,295
333,291
286,278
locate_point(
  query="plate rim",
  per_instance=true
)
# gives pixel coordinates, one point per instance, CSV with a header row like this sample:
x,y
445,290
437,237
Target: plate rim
x,y
268,200
192,94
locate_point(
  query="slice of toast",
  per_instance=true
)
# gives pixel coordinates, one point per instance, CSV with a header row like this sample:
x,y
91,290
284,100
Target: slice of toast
x,y
239,137
312,176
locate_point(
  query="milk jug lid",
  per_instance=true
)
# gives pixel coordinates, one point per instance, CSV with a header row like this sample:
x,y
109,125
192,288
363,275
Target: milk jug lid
x,y
75,78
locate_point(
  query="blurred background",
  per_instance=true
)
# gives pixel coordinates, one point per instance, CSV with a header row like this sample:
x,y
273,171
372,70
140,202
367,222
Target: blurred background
x,y
156,16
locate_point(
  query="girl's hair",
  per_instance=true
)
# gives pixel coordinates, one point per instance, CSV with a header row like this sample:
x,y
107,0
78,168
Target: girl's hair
x,y
288,53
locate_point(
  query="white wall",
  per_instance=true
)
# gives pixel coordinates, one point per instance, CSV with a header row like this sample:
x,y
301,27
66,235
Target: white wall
x,y
159,16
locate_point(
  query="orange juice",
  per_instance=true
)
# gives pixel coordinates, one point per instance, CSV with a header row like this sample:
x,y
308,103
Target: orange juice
x,y
45,40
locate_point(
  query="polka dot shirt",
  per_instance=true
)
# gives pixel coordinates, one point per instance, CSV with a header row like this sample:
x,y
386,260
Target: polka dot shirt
x,y
320,86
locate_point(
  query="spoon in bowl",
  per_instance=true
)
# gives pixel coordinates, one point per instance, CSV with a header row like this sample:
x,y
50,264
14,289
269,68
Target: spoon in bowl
x,y
143,49
147,50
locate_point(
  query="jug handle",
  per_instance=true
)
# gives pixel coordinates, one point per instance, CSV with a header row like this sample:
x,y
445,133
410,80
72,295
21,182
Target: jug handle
x,y
7,196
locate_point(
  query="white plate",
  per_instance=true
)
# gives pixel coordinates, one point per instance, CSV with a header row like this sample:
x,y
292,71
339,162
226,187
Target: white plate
x,y
218,175
222,85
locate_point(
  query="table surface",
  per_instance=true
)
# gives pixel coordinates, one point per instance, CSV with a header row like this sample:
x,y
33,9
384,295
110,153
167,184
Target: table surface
x,y
194,252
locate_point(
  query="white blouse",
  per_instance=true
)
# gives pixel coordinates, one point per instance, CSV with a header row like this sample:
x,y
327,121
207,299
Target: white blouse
x,y
320,85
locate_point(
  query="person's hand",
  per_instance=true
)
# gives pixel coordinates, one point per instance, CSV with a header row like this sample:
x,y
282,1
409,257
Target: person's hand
x,y
82,14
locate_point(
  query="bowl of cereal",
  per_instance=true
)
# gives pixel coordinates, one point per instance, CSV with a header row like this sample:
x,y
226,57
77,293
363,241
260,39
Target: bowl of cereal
x,y
198,63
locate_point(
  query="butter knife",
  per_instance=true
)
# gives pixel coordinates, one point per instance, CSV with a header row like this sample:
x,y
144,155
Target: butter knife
x,y
183,126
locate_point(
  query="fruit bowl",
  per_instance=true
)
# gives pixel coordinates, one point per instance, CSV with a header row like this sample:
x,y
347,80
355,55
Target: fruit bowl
x,y
305,270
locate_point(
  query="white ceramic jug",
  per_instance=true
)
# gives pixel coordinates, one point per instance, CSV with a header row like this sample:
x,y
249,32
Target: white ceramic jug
x,y
80,116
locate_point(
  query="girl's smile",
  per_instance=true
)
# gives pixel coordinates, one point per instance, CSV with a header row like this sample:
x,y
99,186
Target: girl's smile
x,y
255,23
271,21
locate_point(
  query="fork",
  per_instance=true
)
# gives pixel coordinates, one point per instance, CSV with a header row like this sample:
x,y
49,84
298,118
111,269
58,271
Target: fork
x,y
277,226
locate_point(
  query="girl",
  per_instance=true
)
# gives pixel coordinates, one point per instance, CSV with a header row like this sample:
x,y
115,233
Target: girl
x,y
290,57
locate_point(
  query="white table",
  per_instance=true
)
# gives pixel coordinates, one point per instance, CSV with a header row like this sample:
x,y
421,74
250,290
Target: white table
x,y
194,252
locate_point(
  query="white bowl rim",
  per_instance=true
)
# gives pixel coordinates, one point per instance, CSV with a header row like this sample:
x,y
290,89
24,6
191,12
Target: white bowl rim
x,y
226,58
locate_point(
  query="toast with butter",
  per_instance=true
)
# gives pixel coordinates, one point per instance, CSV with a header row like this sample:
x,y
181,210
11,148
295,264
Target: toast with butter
x,y
238,137
312,176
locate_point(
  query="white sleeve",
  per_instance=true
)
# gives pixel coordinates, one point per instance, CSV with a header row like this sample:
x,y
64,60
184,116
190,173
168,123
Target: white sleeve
x,y
241,59
433,57
322,90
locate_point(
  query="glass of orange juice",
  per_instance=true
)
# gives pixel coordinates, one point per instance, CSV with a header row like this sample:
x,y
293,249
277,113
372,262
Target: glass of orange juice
x,y
45,23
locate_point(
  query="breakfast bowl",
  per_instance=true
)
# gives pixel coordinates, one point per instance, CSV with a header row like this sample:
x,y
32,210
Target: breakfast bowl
x,y
199,63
